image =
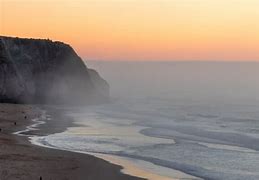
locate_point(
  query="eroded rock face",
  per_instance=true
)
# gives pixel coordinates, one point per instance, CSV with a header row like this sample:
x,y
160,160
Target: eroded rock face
x,y
43,71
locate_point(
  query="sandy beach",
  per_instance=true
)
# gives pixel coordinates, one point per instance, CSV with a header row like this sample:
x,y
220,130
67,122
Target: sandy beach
x,y
19,159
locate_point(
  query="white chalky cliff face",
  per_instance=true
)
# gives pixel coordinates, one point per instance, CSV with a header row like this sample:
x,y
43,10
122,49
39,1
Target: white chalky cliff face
x,y
43,71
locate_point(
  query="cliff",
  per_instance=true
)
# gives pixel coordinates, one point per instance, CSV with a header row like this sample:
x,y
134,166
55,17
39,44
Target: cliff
x,y
43,71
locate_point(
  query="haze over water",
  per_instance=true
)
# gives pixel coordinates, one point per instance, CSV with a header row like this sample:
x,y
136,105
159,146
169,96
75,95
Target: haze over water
x,y
200,118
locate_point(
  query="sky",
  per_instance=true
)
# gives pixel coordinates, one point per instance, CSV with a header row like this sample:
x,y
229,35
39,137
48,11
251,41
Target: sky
x,y
139,30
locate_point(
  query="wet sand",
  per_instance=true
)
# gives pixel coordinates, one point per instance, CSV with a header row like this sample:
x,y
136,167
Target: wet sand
x,y
129,168
19,159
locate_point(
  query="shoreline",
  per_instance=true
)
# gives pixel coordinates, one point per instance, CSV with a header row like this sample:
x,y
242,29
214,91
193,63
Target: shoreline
x,y
129,166
131,169
19,159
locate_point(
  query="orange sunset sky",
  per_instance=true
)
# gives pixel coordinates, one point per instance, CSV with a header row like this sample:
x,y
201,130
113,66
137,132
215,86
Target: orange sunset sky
x,y
140,29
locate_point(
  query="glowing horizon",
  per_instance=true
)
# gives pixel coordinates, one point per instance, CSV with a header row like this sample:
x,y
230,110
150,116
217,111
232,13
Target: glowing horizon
x,y
223,30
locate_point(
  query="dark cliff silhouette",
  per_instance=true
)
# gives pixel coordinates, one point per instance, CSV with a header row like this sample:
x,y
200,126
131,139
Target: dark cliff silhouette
x,y
43,71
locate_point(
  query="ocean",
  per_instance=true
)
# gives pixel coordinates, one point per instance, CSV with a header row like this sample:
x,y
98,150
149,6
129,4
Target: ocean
x,y
199,118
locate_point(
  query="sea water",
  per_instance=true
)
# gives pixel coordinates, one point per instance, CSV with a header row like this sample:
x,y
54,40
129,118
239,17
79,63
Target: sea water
x,y
201,118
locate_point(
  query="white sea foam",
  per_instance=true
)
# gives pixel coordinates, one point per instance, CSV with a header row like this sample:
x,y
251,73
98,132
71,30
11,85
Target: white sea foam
x,y
34,126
